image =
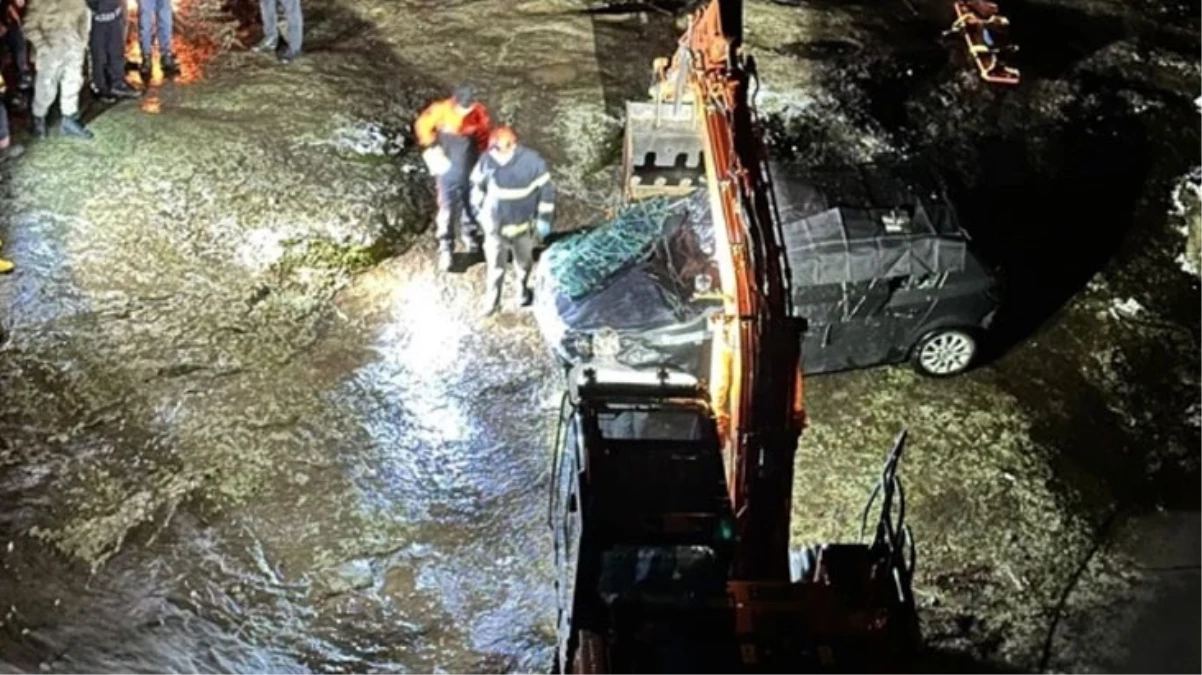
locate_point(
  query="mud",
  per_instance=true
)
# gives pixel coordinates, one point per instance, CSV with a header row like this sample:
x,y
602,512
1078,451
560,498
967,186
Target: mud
x,y
245,427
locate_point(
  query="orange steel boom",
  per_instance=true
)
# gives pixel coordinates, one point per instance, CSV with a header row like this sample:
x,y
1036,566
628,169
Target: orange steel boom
x,y
756,386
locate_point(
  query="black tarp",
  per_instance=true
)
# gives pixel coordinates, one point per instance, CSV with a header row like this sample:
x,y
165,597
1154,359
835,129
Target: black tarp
x,y
863,223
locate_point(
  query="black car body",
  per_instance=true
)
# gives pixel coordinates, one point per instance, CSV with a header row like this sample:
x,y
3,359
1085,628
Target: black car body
x,y
881,272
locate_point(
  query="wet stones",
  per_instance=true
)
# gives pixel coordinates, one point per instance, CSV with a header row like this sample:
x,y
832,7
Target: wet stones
x,y
352,575
1186,215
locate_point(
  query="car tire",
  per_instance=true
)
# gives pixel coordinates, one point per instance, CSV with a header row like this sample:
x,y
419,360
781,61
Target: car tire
x,y
944,352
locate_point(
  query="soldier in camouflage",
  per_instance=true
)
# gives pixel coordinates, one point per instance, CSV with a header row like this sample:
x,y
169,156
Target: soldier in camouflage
x,y
58,30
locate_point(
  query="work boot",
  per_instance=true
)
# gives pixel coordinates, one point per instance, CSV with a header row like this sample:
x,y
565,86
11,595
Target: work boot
x,y
103,95
445,260
71,126
170,65
6,266
123,90
266,46
289,56
146,70
39,127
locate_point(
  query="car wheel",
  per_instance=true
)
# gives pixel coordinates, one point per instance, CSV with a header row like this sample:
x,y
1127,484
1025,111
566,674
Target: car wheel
x,y
944,352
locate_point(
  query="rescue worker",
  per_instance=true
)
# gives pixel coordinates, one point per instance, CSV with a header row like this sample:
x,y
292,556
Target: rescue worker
x,y
108,50
457,129
154,21
515,197
58,30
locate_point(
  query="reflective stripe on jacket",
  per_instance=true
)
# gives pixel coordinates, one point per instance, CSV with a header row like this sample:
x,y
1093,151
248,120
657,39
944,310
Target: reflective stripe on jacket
x,y
519,191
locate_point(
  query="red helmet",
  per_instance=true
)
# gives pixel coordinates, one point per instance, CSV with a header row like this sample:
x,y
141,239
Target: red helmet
x,y
502,138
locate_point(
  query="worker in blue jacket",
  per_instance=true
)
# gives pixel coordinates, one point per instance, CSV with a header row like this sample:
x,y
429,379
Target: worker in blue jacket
x,y
514,196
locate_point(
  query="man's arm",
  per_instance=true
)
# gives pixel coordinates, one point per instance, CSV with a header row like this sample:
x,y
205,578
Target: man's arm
x,y
426,126
482,125
546,202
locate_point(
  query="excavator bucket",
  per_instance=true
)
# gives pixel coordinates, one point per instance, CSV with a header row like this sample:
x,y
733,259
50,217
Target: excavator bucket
x,y
662,152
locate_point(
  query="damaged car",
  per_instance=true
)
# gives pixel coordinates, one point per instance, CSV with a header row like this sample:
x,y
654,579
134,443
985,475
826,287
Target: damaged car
x,y
882,273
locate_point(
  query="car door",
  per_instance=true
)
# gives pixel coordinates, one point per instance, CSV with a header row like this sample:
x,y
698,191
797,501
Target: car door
x,y
912,298
860,338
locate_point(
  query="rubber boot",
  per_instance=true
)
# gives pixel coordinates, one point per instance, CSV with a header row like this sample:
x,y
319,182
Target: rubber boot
x,y
71,126
170,65
39,127
6,266
445,260
524,297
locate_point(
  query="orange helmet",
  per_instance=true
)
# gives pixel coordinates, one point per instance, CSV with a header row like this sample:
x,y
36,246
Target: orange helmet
x,y
502,138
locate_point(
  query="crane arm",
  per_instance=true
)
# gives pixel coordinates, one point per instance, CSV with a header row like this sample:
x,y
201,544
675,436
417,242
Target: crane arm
x,y
756,378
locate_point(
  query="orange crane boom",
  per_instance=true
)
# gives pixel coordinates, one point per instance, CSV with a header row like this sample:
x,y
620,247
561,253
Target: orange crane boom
x,y
756,385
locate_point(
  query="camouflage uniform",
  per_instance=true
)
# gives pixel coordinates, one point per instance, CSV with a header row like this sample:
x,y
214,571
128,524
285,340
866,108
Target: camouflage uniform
x,y
58,31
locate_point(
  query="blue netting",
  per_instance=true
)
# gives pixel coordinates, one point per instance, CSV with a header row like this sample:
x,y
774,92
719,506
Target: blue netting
x,y
584,263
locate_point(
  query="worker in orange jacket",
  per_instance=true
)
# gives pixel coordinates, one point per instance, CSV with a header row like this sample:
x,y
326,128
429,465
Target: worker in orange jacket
x,y
455,131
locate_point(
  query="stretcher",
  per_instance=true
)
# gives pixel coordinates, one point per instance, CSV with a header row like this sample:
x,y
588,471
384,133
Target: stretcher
x,y
984,30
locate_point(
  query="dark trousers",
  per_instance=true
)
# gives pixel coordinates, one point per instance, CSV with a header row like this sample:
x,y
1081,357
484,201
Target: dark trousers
x,y
14,40
108,52
455,210
3,122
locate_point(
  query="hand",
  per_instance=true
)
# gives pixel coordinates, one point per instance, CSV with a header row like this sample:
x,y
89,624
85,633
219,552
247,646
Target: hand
x,y
544,228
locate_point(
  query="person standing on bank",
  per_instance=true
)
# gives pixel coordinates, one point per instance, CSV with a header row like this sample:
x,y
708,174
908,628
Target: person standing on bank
x,y
58,31
108,50
454,132
271,29
11,12
515,197
154,21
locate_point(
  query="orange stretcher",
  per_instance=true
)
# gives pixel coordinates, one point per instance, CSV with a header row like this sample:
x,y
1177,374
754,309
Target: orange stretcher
x,y
985,32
